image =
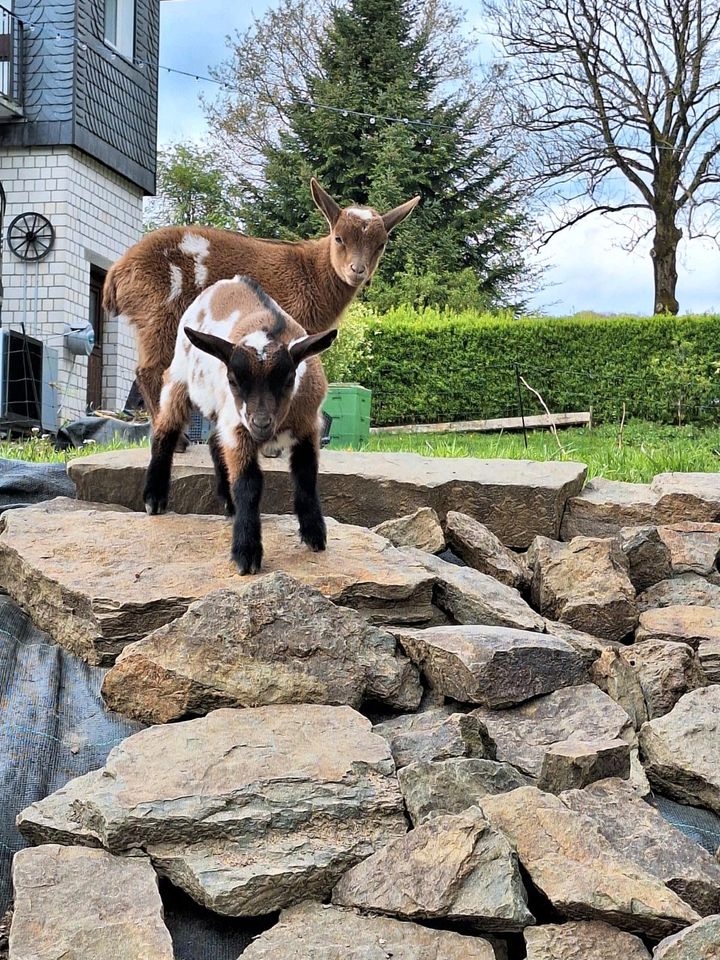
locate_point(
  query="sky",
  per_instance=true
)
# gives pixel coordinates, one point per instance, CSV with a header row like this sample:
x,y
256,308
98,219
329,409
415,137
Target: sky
x,y
586,267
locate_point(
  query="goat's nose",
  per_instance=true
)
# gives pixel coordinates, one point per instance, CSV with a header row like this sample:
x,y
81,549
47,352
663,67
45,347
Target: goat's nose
x,y
358,268
261,421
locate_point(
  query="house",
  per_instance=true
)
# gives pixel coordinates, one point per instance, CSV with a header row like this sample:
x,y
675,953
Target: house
x,y
78,123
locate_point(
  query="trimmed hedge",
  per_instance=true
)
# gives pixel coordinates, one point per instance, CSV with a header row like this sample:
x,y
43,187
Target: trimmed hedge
x,y
430,366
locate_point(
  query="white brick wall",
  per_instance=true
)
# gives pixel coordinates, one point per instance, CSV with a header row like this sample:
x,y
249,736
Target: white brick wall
x,y
97,215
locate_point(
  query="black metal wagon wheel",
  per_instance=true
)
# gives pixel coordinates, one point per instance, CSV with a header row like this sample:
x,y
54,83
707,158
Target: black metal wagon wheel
x,y
31,236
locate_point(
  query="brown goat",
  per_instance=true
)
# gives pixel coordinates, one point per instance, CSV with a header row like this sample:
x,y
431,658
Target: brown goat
x,y
252,370
313,280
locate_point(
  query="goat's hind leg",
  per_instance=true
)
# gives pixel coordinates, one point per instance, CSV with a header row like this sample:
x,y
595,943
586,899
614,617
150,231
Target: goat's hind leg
x,y
304,468
150,383
171,421
221,474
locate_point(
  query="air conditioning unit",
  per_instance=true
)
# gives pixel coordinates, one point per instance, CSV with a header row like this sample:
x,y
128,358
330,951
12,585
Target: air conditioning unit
x,y
28,383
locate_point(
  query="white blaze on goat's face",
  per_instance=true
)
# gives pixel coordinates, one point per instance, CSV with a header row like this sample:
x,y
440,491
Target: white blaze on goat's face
x,y
197,247
257,341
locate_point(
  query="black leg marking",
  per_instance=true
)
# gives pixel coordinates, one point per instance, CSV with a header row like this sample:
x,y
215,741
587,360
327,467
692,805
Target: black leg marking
x,y
157,478
221,475
304,468
247,535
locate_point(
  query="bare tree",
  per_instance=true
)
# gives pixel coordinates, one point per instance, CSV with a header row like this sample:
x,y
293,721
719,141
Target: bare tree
x,y
619,105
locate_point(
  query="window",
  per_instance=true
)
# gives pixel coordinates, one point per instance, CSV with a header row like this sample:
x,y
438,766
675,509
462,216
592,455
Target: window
x,y
120,26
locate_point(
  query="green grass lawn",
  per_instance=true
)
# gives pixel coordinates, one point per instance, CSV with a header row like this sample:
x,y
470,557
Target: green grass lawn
x,y
646,448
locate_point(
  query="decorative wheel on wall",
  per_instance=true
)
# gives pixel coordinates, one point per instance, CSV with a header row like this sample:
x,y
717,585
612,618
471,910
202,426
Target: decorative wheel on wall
x,y
31,236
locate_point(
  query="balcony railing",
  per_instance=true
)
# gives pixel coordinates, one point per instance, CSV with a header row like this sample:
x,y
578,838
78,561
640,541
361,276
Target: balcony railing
x,y
11,64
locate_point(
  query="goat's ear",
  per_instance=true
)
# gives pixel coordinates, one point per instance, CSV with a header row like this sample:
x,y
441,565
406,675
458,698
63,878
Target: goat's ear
x,y
393,217
325,203
312,345
215,346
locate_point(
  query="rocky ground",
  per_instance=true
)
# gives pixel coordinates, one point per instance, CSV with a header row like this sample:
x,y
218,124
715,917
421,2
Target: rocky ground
x,y
390,752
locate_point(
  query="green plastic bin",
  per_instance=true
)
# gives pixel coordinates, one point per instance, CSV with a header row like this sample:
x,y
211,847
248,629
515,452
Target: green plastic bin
x,y
349,406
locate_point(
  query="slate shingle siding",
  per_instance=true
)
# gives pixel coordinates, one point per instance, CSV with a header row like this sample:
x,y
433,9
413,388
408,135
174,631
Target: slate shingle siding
x,y
81,94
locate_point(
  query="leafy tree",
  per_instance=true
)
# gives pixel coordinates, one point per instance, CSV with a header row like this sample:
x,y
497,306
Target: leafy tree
x,y
191,188
375,61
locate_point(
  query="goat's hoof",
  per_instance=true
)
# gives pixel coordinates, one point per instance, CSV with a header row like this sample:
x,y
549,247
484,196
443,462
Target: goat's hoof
x,y
314,537
229,508
155,505
248,560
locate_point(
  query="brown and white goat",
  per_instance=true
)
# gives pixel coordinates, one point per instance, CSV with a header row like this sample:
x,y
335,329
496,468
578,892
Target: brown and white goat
x,y
252,370
313,280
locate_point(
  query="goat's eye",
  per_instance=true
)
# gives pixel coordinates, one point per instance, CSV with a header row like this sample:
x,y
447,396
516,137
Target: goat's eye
x,y
339,241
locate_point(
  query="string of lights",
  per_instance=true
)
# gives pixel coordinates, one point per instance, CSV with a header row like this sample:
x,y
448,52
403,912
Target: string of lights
x,y
37,27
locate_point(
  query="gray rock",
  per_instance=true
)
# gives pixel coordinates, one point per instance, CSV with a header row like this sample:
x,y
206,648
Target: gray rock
x,y
584,583
471,597
690,625
575,763
524,735
693,547
431,789
637,831
687,590
578,871
666,671
420,529
701,941
647,554
681,750
604,507
452,868
436,734
83,904
248,811
478,546
709,656
587,646
582,940
95,591
616,677
312,930
274,640
493,666
517,499
687,496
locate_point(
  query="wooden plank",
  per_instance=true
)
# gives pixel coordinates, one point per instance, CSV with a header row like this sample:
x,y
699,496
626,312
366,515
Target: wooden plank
x,y
536,422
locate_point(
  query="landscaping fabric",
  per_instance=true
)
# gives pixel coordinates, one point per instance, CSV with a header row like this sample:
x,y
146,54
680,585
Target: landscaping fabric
x,y
23,483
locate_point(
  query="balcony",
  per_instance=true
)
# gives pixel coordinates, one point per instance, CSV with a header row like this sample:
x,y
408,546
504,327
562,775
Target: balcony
x,y
11,65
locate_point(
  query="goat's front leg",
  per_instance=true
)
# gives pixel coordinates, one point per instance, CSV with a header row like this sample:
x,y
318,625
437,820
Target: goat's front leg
x,y
169,425
304,469
221,474
246,481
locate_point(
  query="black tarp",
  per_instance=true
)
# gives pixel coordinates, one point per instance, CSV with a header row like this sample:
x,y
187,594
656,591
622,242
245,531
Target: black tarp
x,y
23,483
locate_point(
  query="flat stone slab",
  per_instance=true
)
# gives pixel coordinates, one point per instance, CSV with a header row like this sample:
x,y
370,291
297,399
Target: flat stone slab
x,y
636,830
435,734
97,580
451,868
86,905
687,590
435,788
701,941
709,656
690,625
580,873
524,735
516,499
492,666
248,811
273,640
582,940
681,750
312,931
693,547
605,506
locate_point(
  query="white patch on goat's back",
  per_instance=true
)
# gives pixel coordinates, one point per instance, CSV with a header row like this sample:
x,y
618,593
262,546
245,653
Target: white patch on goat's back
x,y
257,341
197,247
360,213
176,281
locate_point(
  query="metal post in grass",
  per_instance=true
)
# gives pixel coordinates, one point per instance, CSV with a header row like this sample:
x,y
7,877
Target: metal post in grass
x,y
520,401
